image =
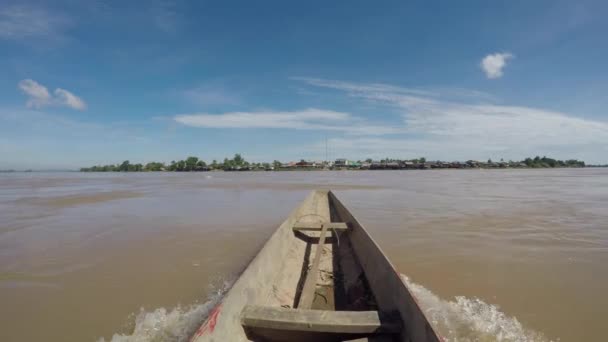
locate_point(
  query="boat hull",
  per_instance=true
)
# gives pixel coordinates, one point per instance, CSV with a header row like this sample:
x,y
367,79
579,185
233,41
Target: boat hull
x,y
354,275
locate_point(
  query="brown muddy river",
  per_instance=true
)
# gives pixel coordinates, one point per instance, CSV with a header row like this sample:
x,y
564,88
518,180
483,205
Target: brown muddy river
x,y
492,255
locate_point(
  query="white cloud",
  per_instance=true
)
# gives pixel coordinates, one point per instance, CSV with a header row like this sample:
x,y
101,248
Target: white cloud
x,y
446,124
299,119
439,128
66,98
308,119
19,22
493,64
39,96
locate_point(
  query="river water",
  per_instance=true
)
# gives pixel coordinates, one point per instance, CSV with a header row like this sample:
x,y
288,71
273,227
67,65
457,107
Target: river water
x,y
505,255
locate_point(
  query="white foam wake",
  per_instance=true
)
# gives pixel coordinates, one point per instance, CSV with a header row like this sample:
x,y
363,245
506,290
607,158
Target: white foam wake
x,y
459,320
175,325
465,319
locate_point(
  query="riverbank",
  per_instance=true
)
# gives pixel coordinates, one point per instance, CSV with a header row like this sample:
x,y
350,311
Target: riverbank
x,y
238,163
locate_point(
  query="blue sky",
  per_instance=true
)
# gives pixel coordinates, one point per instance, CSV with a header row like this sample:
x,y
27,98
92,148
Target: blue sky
x,y
99,82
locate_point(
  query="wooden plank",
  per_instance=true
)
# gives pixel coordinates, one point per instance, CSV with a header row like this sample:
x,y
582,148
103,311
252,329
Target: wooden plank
x,y
320,321
337,225
306,226
374,338
308,290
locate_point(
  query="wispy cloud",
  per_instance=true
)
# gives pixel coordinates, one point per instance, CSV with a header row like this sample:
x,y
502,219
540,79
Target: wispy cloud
x,y
377,90
472,129
440,123
165,15
30,138
307,119
23,22
31,124
42,123
304,119
210,95
493,64
362,88
39,96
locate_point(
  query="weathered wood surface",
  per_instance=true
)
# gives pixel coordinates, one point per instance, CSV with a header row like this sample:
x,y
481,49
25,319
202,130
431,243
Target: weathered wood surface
x,y
336,226
375,338
345,322
308,290
274,276
390,292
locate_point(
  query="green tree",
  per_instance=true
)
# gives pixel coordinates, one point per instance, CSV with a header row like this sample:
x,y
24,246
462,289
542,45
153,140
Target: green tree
x,y
422,160
549,162
173,166
181,165
201,165
154,166
227,164
124,166
238,160
190,163
276,165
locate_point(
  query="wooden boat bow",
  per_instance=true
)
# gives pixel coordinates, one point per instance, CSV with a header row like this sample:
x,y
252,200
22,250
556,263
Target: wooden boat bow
x,y
320,277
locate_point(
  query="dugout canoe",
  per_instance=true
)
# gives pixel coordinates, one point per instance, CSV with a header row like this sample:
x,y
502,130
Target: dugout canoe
x,y
320,277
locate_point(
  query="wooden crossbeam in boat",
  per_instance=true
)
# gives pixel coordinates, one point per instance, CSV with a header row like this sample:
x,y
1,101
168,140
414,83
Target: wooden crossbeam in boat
x,y
312,226
308,290
374,338
317,321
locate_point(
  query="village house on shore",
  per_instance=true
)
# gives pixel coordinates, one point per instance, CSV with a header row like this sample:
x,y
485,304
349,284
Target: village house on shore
x,y
395,164
240,164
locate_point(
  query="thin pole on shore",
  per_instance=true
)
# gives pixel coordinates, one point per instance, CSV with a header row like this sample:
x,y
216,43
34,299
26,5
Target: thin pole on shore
x,y
326,160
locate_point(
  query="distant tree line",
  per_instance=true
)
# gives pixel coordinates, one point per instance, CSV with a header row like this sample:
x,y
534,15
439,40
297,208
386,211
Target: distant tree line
x,y
538,162
238,163
190,164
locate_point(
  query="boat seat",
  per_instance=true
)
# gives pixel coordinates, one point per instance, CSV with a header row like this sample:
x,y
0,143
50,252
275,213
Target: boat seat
x,y
264,323
317,226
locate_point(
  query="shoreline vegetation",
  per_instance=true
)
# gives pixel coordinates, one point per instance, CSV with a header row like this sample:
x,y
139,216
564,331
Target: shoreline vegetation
x,y
238,163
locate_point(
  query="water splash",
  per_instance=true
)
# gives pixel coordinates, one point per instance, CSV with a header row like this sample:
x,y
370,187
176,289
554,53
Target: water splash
x,y
470,319
175,325
460,320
